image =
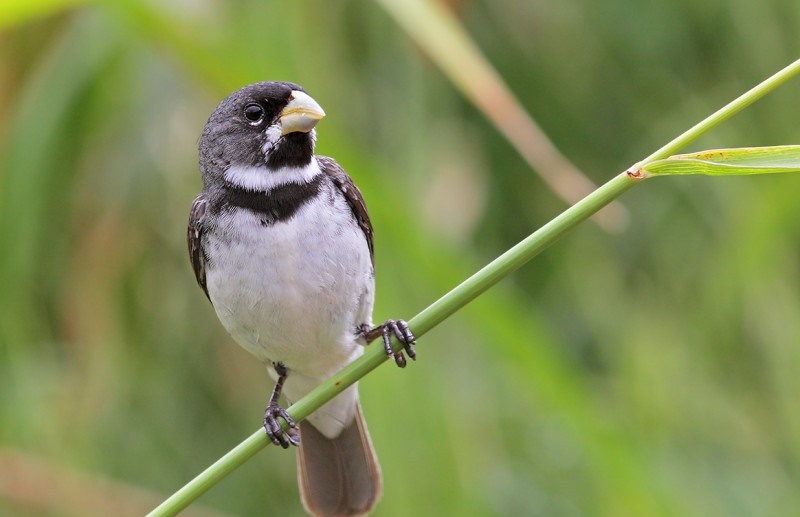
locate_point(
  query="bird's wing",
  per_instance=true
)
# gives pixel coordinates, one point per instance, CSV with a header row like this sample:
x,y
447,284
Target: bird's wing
x,y
197,218
353,196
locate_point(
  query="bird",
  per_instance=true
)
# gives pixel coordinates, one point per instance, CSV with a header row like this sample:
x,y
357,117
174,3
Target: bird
x,y
282,245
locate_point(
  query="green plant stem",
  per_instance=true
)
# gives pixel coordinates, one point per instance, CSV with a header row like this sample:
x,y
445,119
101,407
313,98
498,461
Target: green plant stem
x,y
462,294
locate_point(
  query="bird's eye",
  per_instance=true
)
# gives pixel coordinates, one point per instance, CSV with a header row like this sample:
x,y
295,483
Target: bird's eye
x,y
253,112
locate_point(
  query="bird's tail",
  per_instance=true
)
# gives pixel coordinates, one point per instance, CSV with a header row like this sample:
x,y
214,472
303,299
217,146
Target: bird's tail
x,y
338,477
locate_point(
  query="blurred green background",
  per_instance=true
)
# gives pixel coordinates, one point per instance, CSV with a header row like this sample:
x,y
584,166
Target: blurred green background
x,y
649,372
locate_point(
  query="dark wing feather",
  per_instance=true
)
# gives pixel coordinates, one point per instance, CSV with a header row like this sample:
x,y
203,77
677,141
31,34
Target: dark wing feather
x,y
353,196
197,218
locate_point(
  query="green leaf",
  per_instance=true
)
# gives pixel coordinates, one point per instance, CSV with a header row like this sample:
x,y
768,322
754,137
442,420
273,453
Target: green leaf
x,y
725,162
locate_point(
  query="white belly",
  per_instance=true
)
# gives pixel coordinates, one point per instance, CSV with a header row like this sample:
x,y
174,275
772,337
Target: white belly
x,y
294,291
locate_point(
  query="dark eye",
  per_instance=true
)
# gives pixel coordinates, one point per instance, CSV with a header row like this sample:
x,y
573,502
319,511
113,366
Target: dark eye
x,y
253,112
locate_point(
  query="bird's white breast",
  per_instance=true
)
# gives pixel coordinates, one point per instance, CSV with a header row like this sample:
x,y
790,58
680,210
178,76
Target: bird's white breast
x,y
293,291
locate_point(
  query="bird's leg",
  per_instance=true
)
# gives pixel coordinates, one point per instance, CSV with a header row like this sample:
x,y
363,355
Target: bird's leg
x,y
403,334
274,411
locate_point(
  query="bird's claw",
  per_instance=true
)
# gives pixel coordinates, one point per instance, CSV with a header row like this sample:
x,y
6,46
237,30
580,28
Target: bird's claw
x,y
273,427
398,328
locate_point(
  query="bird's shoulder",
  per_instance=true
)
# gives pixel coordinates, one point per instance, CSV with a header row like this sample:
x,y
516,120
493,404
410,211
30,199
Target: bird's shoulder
x,y
344,183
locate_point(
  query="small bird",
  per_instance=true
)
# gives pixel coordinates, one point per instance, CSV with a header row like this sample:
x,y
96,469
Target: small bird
x,y
282,245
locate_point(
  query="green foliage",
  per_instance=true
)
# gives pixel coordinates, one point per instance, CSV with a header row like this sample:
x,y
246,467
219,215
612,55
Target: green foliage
x,y
652,372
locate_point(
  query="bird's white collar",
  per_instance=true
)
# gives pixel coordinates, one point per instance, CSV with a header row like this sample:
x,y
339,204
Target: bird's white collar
x,y
260,178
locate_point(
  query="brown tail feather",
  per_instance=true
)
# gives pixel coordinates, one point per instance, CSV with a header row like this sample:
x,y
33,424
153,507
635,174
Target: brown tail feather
x,y
338,477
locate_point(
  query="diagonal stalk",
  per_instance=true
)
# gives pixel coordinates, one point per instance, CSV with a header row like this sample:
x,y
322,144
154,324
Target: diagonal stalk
x,y
464,293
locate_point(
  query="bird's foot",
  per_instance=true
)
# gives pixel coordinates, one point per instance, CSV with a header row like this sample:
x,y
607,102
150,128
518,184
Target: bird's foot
x,y
403,334
273,427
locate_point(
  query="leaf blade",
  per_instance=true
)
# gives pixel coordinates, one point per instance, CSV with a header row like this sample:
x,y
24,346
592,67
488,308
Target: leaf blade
x,y
728,162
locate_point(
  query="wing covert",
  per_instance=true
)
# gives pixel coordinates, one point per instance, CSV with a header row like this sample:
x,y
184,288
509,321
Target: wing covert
x,y
194,237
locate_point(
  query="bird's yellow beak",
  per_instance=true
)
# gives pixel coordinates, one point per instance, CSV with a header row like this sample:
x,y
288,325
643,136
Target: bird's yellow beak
x,y
301,114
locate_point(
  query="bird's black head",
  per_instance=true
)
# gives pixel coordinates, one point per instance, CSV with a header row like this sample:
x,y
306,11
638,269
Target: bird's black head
x,y
265,127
